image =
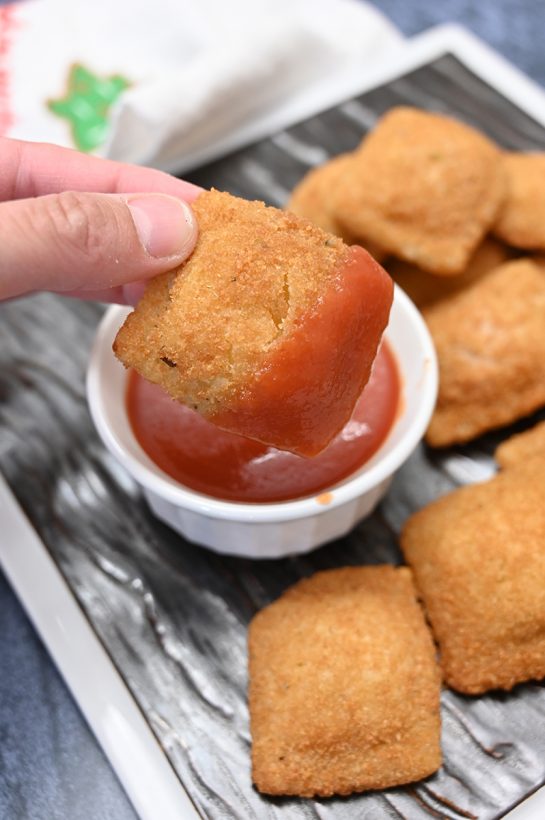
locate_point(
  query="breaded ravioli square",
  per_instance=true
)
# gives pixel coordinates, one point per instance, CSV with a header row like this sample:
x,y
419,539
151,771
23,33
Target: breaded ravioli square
x,y
344,686
424,187
311,199
478,557
521,219
269,330
490,342
426,289
517,449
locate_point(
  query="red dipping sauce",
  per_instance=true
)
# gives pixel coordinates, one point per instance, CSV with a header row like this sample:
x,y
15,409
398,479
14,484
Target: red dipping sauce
x,y
204,458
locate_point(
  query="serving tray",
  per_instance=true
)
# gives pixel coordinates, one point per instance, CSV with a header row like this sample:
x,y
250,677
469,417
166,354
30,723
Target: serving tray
x,y
166,620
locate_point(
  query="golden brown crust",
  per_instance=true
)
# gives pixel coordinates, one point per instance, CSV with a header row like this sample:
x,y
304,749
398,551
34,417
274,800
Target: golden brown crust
x,y
254,273
490,341
521,219
479,564
426,289
518,449
311,196
424,187
344,687
311,199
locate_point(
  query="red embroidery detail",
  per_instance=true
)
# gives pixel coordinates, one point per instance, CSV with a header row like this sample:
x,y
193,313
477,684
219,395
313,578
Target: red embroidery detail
x,y
8,24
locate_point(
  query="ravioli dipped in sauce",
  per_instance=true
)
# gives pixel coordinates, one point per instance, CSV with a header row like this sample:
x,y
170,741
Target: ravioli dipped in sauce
x,y
199,455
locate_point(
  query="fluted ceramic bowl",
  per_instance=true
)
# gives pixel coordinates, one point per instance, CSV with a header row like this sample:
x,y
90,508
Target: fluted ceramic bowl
x,y
270,530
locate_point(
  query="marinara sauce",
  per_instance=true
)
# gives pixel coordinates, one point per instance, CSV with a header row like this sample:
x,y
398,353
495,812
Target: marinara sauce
x,y
201,456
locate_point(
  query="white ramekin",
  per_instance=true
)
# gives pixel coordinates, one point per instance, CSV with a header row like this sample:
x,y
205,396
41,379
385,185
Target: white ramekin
x,y
276,529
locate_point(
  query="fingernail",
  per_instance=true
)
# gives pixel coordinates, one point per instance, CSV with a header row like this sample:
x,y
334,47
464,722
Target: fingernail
x,y
165,225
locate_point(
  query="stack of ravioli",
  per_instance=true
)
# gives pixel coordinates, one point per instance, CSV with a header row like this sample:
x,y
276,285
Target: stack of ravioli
x,y
346,667
460,225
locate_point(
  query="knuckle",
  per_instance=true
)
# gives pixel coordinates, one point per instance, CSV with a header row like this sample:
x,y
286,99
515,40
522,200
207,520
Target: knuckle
x,y
80,223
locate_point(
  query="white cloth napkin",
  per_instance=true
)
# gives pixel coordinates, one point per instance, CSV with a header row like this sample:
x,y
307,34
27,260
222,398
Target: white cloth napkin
x,y
173,83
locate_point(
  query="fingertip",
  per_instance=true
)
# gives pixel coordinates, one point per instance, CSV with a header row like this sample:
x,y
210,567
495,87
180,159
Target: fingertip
x,y
166,226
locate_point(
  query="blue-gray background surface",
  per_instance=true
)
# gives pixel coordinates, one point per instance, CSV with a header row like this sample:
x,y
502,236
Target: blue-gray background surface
x,y
50,764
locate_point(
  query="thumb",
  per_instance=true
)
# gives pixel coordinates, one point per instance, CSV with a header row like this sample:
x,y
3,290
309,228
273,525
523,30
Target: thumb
x,y
89,242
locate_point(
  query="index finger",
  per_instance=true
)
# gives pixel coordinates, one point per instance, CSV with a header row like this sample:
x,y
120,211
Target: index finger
x,y
31,169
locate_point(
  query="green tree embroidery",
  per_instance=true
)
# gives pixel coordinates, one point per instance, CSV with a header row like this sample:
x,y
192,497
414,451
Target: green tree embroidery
x,y
86,105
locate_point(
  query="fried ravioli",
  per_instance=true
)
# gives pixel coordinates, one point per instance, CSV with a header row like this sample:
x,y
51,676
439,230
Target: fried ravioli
x,y
490,341
517,449
478,559
521,219
269,330
311,199
426,289
424,187
344,686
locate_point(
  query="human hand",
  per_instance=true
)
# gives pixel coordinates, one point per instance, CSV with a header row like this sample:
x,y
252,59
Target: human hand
x,y
87,227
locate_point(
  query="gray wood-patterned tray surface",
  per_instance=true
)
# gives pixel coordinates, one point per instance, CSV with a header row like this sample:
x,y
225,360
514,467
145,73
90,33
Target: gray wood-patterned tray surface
x,y
173,616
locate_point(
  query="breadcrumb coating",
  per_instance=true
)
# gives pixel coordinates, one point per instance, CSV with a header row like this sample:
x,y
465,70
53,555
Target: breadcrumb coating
x,y
517,449
311,199
478,559
490,342
424,187
344,686
426,289
521,219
